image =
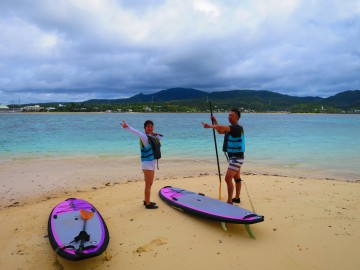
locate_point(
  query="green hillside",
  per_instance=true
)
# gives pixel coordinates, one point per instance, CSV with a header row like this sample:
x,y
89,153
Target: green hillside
x,y
193,100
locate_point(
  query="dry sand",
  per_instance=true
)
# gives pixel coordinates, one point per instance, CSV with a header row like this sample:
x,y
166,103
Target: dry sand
x,y
309,223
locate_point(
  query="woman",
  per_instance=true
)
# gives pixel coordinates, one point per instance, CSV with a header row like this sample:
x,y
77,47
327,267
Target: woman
x,y
148,161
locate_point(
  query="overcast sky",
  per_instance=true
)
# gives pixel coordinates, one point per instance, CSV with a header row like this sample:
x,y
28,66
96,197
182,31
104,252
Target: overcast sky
x,y
75,50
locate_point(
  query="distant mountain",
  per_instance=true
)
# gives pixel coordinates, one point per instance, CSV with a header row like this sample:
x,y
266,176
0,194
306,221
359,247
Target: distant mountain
x,y
258,100
181,94
345,99
167,95
261,96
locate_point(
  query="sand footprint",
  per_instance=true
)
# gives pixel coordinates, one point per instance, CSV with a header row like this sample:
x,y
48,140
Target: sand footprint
x,y
152,245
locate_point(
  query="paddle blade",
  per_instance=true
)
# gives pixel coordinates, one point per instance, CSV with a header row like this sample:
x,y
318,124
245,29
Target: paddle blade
x,y
86,215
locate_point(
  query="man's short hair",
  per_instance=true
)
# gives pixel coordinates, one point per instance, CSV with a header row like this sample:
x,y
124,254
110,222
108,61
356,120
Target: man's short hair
x,y
236,111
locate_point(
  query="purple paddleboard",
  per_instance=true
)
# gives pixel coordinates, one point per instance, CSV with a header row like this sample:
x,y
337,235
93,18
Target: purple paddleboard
x,y
200,205
71,236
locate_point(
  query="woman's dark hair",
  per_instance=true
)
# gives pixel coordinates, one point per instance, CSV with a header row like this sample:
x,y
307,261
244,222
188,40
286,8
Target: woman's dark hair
x,y
148,122
236,111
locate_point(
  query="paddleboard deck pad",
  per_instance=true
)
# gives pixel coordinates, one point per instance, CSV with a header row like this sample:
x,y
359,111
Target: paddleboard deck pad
x,y
200,205
69,237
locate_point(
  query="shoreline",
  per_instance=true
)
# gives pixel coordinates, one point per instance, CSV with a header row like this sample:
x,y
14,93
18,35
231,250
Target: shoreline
x,y
27,181
41,112
204,112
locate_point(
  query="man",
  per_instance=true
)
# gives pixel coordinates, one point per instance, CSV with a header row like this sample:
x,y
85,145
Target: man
x,y
234,147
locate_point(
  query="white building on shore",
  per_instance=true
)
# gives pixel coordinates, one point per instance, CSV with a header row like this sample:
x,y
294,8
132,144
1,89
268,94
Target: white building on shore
x,y
34,108
4,108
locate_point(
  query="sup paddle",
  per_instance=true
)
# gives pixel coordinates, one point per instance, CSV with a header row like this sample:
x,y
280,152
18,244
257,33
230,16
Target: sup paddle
x,y
217,156
86,215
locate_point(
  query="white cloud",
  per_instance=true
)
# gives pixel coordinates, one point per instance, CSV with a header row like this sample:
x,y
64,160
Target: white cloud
x,y
112,48
207,7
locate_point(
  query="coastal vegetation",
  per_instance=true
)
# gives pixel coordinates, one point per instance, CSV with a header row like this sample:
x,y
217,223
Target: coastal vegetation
x,y
192,100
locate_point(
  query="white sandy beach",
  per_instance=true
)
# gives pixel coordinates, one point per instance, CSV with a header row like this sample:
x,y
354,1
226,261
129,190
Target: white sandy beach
x,y
309,223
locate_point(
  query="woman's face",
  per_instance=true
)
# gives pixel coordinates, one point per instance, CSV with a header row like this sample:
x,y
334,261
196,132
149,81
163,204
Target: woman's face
x,y
149,129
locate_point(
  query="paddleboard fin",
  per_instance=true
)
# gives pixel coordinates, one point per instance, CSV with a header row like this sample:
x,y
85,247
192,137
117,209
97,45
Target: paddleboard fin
x,y
224,226
247,227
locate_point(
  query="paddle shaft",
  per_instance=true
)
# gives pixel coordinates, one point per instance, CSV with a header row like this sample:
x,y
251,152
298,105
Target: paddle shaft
x,y
217,156
81,247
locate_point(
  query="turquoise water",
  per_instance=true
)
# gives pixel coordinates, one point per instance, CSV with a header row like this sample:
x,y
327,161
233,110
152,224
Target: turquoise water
x,y
304,142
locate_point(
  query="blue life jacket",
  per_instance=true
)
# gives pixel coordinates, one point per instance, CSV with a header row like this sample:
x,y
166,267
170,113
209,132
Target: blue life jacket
x,y
152,151
146,152
234,146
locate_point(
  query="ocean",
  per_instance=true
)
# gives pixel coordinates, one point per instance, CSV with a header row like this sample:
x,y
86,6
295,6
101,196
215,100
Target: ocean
x,y
323,145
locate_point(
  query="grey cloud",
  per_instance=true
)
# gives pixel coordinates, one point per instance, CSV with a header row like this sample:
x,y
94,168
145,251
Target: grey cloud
x,y
109,49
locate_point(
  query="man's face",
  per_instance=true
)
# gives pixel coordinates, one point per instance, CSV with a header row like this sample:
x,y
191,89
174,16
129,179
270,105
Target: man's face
x,y
233,118
149,129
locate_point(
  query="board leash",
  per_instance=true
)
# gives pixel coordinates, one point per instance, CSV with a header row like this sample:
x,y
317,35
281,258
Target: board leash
x,y
247,192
